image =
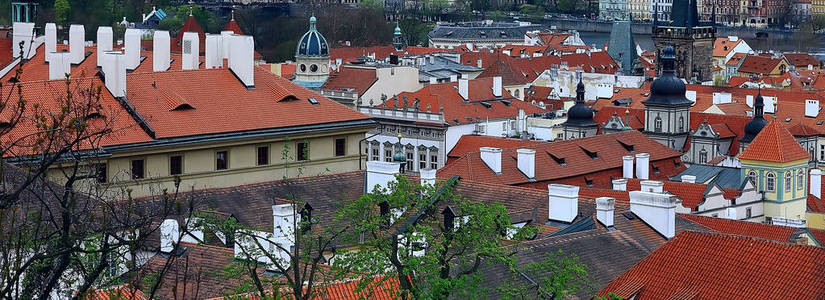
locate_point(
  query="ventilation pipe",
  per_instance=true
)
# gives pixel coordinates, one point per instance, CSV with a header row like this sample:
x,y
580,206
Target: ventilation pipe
x,y
104,42
191,51
51,40
132,48
76,43
160,51
242,59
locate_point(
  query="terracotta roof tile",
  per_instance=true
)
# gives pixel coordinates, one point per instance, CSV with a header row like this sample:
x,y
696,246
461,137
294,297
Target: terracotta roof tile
x,y
719,266
774,143
759,64
815,205
802,60
722,46
744,228
800,129
471,143
358,79
723,130
119,292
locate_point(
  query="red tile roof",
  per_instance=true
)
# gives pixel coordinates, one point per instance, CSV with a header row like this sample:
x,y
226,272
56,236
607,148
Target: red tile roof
x,y
775,144
457,111
744,228
816,205
692,194
564,159
190,25
802,60
718,266
722,46
818,235
471,143
800,129
759,64
5,55
120,292
233,26
380,288
226,105
723,130
519,50
358,79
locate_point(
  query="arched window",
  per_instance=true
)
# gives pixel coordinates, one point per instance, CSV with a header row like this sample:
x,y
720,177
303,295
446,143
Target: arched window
x,y
800,179
788,182
703,156
681,124
752,176
657,124
770,182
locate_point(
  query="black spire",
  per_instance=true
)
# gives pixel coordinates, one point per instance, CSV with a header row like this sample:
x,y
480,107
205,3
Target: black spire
x,y
755,126
580,115
667,90
655,12
759,106
580,91
713,13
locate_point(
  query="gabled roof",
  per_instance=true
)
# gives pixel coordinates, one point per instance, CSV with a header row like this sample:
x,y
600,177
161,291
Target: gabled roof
x,y
190,25
471,143
802,60
759,64
743,228
563,159
720,266
358,79
722,46
723,130
774,144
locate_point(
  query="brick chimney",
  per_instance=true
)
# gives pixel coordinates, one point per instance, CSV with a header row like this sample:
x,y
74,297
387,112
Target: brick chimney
x,y
131,46
160,51
104,42
657,210
563,202
491,157
190,58
77,44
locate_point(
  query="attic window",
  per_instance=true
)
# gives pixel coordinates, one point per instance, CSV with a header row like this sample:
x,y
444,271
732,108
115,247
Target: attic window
x,y
819,122
629,215
487,105
593,155
183,106
506,102
588,181
94,115
288,98
313,101
655,168
559,160
627,147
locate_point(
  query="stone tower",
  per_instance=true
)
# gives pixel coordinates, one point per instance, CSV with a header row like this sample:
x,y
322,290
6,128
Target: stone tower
x,y
692,41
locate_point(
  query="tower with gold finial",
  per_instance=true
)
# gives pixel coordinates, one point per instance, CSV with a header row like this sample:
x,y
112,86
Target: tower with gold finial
x,y
667,110
312,58
397,38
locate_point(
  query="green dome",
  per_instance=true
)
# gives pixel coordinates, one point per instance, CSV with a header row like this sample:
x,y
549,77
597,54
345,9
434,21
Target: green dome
x,y
397,30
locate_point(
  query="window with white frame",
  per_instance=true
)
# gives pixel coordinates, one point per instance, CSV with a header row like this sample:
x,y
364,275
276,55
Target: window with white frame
x,y
800,179
788,183
770,182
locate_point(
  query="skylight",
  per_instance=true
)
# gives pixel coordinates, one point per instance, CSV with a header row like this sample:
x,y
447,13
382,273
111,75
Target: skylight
x,y
313,101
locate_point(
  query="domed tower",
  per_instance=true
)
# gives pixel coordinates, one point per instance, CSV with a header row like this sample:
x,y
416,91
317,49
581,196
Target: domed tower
x,y
312,58
667,110
754,126
579,122
397,40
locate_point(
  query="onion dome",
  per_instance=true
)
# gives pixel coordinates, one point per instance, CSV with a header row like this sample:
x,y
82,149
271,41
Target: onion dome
x,y
312,43
755,126
397,30
668,90
399,156
580,114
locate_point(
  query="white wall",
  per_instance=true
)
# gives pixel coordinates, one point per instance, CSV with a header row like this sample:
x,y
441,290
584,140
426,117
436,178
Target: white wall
x,y
392,81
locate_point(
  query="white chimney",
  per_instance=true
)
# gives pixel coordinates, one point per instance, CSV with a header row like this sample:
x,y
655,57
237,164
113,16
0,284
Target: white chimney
x,y
114,73
427,176
191,51
77,43
479,63
688,179
652,186
657,210
465,76
563,202
811,108
132,48
492,158
104,42
604,210
169,235
60,65
627,166
527,162
285,216
433,80
226,38
214,51
464,89
22,32
453,78
194,231
620,184
642,165
51,40
242,59
730,213
160,51
497,86
815,184
380,174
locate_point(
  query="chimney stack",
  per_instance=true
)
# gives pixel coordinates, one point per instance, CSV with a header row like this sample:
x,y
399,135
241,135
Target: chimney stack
x,y
627,166
497,86
427,176
380,174
131,47
191,51
51,40
60,65
433,80
22,32
464,89
526,160
815,184
284,216
214,51
688,179
563,202
652,186
620,184
642,165
242,59
114,73
492,158
657,210
160,51
169,235
226,41
604,210
77,43
104,42
453,78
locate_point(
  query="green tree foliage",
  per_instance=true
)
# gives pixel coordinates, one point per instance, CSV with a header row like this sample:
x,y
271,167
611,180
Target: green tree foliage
x,y
556,276
531,10
414,31
567,6
61,11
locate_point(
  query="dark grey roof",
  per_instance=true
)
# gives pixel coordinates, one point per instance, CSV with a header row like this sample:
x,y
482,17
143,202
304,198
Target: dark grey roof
x,y
622,48
482,31
729,178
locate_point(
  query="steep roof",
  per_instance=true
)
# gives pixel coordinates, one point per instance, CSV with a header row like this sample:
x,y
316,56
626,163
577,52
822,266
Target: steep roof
x,y
190,25
698,265
722,46
559,160
775,144
752,229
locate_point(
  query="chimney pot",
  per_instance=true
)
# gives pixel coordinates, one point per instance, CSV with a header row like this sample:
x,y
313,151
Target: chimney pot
x,y
114,72
604,210
627,166
226,43
491,157
427,176
527,162
380,174
464,89
563,201
214,51
497,86
190,51
642,165
60,65
76,43
620,184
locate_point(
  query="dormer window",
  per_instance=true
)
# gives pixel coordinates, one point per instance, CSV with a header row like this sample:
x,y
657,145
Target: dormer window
x,y
558,160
